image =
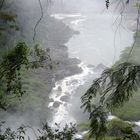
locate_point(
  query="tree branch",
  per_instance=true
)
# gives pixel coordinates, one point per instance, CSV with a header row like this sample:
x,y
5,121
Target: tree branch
x,y
1,5
41,8
137,29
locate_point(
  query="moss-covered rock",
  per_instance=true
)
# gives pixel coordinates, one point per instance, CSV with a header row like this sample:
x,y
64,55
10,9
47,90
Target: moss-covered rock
x,y
130,111
83,126
118,128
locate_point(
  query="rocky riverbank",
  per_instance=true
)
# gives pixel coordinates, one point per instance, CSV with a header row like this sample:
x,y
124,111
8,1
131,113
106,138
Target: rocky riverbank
x,y
33,107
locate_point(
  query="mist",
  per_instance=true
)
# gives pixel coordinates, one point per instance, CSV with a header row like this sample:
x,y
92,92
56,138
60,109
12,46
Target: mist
x,y
82,41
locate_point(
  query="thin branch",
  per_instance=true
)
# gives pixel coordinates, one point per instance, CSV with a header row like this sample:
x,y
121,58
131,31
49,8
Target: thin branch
x,y
119,2
137,29
41,8
119,25
1,5
3,72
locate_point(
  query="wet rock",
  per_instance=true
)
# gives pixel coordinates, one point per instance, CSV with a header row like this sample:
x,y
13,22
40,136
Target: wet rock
x,y
65,104
77,32
91,66
59,88
65,98
73,61
100,68
58,94
51,100
74,81
63,47
66,93
56,104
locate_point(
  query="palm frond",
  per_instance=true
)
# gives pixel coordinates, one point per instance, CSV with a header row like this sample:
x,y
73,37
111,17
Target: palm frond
x,y
113,88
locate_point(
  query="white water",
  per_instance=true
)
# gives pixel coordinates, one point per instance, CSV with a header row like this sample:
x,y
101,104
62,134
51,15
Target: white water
x,y
97,41
93,45
68,87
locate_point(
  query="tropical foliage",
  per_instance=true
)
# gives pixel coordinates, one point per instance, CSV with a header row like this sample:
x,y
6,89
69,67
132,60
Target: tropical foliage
x,y
46,133
112,89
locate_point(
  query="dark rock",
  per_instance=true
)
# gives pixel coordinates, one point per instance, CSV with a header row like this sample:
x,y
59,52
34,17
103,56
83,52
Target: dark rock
x,y
73,82
66,93
99,68
56,104
59,88
63,47
51,100
65,98
91,66
76,32
74,61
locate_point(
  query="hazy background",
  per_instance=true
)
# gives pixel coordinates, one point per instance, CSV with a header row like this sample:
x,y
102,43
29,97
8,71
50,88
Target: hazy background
x,y
82,29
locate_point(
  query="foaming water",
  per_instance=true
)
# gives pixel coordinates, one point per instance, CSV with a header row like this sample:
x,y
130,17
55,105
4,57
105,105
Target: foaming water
x,y
99,37
67,88
74,20
94,45
61,16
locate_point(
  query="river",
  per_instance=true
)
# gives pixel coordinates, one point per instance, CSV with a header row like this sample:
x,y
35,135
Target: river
x,y
99,42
